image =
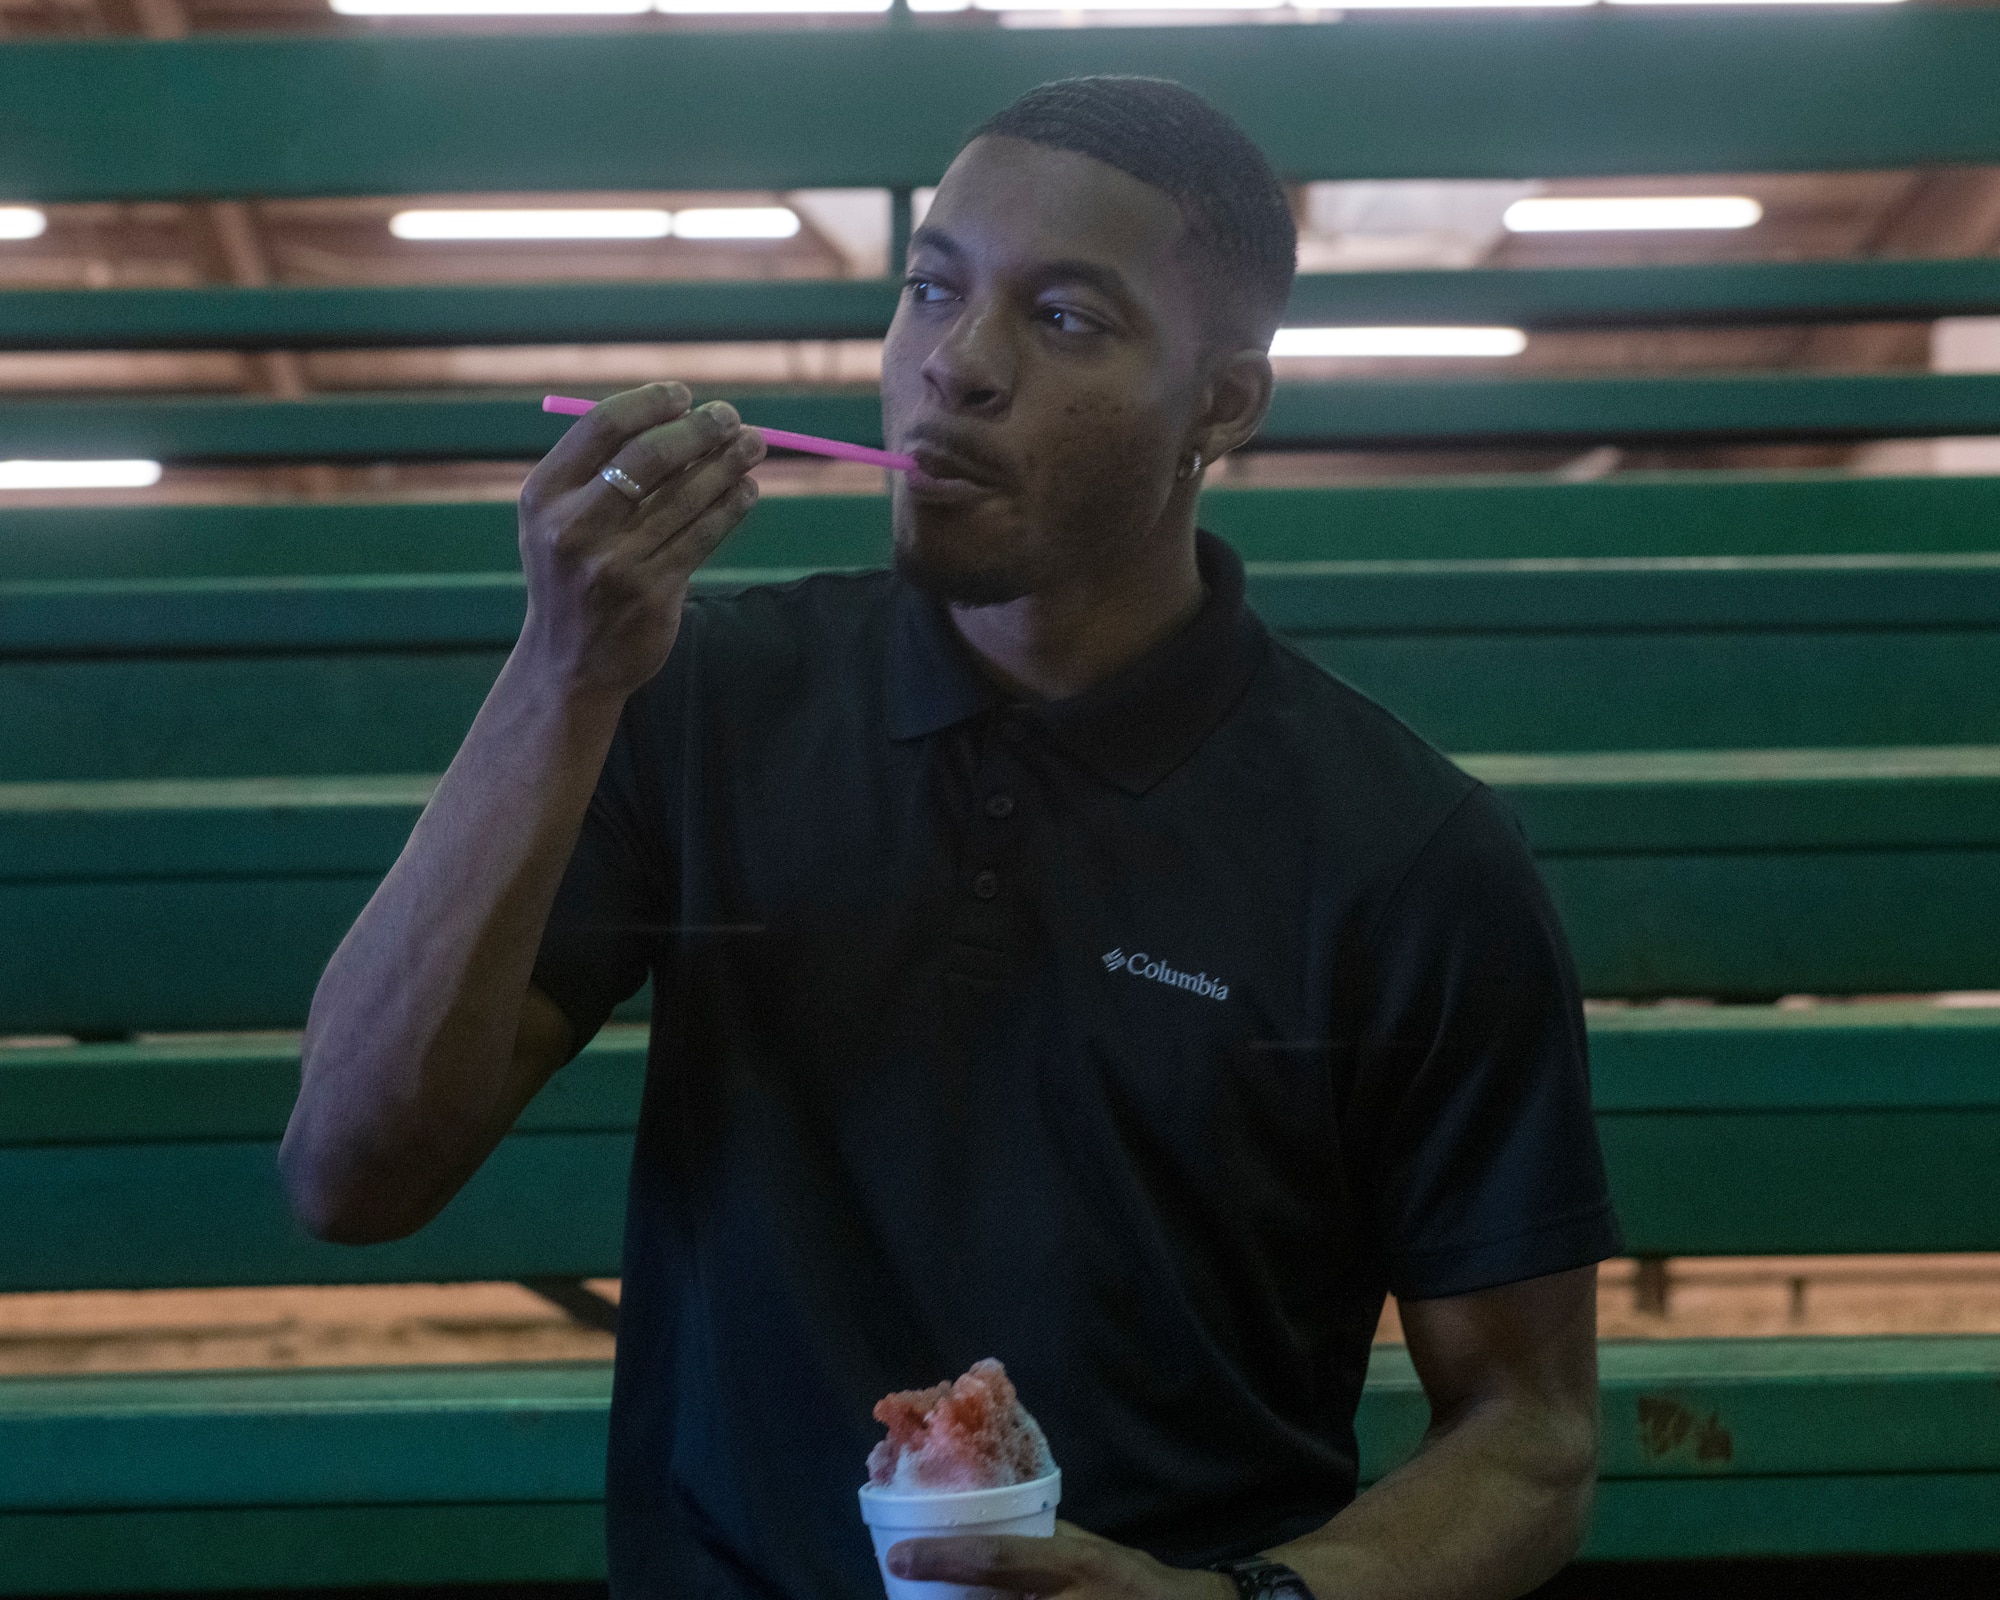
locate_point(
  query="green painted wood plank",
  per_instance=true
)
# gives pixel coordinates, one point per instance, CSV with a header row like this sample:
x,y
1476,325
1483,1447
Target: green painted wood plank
x,y
205,1215
179,1212
1647,1062
1304,599
380,316
1654,1060
318,316
1695,294
217,715
414,427
1704,1409
224,1087
1543,96
1642,803
1754,926
401,709
1804,1183
213,676
1517,517
356,1436
299,1547
1785,802
1608,691
1819,876
1749,1133
1363,413
334,539
1917,1513
105,959
351,1547
1710,1409
1851,1417
1393,413
1640,514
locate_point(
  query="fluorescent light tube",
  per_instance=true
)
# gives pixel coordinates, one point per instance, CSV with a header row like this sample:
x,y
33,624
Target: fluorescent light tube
x,y
1459,5
705,8
624,223
1756,2
79,474
736,222
22,222
1423,341
1634,213
490,8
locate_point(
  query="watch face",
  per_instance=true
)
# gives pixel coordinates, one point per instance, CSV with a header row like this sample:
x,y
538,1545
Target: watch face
x,y
1268,1580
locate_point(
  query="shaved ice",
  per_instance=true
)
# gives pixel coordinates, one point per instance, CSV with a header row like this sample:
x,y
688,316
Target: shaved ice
x,y
972,1434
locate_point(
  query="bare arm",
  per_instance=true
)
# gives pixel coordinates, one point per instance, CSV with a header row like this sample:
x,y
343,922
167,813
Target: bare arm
x,y
1498,1496
1493,1502
426,1037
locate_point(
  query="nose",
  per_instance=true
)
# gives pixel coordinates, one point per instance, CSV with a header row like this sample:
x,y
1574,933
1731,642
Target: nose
x,y
971,369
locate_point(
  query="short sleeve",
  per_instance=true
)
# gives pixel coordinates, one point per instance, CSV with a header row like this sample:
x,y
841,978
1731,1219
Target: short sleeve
x,y
597,947
1469,1121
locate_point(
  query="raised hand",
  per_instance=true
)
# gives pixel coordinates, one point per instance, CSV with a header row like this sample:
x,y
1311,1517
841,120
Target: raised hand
x,y
608,562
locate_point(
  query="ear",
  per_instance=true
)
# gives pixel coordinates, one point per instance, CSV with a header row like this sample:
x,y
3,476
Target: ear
x,y
1239,395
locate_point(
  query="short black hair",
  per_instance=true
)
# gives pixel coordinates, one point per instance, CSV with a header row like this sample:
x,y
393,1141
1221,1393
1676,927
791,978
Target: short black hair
x,y
1239,221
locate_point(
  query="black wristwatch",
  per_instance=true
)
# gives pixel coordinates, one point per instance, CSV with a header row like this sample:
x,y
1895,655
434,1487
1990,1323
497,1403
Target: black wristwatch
x,y
1260,1578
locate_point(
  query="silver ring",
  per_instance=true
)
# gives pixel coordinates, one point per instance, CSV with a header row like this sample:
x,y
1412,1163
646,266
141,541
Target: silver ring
x,y
624,483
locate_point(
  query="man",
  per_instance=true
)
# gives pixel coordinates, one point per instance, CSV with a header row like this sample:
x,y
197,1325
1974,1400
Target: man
x,y
1048,964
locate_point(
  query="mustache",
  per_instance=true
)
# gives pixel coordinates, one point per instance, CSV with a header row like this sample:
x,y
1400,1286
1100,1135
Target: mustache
x,y
962,457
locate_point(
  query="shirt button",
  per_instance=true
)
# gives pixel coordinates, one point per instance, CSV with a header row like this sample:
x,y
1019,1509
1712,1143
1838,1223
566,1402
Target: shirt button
x,y
999,805
986,885
1014,730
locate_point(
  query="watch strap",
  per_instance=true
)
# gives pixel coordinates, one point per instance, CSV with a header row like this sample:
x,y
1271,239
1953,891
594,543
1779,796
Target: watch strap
x,y
1261,1578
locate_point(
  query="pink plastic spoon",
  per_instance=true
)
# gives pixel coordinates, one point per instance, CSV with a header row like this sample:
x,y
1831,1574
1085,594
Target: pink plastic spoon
x,y
839,449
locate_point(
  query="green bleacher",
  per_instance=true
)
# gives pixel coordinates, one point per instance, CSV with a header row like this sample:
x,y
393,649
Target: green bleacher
x,y
1747,719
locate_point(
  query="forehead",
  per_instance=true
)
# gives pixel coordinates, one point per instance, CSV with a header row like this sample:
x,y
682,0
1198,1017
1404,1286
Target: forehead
x,y
1009,201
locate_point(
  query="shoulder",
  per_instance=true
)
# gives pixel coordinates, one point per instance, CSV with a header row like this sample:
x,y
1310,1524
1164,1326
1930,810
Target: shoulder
x,y
1363,770
1390,814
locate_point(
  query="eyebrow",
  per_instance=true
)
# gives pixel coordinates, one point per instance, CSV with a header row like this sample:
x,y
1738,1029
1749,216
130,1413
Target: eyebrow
x,y
1106,280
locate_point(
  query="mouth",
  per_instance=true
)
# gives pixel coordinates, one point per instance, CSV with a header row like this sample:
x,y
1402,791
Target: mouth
x,y
945,476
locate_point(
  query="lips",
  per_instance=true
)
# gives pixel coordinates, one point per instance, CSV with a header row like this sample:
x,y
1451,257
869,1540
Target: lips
x,y
947,475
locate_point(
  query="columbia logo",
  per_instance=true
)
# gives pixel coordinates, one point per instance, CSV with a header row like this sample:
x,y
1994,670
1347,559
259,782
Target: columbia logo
x,y
1141,965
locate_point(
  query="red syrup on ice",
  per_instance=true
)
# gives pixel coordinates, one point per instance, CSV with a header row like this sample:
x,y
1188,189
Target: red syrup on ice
x,y
971,1434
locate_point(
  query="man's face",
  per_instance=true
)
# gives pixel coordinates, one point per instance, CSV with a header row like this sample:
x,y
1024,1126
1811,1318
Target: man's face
x,y
1044,367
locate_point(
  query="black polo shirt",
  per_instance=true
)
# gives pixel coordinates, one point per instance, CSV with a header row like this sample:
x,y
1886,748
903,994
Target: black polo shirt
x,y
1142,1040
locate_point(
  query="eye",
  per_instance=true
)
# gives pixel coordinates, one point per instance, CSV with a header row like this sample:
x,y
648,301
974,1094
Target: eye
x,y
1067,319
925,291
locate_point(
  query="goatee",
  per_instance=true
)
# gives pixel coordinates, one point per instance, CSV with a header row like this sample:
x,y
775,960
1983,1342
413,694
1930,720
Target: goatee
x,y
960,586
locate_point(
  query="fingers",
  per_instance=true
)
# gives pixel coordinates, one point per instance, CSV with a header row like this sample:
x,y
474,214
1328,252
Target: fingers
x,y
683,496
685,545
600,433
1006,1562
677,464
656,455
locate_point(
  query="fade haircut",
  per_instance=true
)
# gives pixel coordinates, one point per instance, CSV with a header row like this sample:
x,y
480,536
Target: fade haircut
x,y
1240,232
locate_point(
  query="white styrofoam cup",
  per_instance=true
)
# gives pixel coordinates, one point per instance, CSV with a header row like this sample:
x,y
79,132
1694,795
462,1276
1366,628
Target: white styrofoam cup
x,y
1021,1508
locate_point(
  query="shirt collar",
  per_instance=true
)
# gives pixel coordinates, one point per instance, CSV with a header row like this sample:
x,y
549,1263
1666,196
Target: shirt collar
x,y
1132,729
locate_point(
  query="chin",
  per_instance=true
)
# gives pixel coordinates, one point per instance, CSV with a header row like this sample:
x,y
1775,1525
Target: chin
x,y
953,559
960,583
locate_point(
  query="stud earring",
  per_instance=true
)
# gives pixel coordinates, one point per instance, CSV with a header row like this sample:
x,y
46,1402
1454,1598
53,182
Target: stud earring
x,y
1189,469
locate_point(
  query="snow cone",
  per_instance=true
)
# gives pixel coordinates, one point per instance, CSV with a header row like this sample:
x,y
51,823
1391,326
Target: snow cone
x,y
963,1457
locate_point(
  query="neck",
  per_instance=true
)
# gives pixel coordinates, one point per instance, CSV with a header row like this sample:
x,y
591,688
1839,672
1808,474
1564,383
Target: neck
x,y
1061,641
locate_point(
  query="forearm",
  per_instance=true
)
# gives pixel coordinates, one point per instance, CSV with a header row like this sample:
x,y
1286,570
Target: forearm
x,y
412,1031
1487,1509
